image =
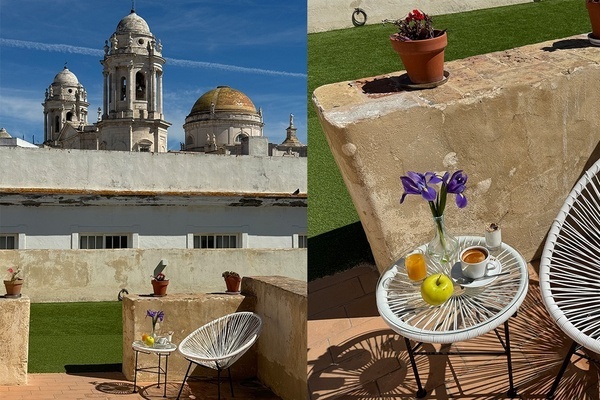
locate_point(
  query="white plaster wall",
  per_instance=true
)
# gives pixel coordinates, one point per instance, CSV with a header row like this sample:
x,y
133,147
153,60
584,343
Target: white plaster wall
x,y
156,172
51,227
326,15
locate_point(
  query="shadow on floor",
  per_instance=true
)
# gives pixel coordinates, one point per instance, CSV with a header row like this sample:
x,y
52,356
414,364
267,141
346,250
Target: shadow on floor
x,y
338,250
85,368
367,361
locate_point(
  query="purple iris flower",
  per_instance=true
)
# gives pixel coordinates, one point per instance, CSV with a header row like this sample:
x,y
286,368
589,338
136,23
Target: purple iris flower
x,y
155,315
457,185
416,183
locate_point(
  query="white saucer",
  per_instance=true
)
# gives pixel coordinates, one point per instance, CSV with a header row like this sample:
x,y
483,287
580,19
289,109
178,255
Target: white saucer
x,y
593,40
456,273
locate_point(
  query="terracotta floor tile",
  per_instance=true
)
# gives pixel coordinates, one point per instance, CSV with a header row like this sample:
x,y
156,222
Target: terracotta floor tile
x,y
113,386
334,296
370,361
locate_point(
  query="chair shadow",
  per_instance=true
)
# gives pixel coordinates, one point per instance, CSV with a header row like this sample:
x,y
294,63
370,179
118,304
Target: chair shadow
x,y
376,365
338,250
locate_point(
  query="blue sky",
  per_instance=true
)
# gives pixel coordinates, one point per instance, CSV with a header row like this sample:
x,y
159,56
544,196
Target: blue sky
x,y
255,46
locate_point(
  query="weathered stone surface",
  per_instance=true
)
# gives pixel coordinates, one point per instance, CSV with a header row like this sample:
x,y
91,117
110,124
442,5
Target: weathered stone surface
x,y
282,353
522,123
14,331
98,275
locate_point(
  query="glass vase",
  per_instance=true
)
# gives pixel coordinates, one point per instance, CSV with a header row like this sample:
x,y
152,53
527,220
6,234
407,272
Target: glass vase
x,y
443,248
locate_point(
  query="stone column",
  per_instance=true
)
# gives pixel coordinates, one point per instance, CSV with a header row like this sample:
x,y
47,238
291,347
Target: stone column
x,y
14,331
105,90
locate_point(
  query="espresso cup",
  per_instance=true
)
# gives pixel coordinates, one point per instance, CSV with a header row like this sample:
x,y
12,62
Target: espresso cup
x,y
476,262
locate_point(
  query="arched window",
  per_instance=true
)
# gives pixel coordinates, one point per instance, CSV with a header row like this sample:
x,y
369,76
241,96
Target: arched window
x,y
238,138
189,140
69,116
140,86
123,88
56,124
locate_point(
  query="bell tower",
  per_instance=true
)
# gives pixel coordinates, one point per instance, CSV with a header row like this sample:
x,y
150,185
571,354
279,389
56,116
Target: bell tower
x,y
132,111
65,102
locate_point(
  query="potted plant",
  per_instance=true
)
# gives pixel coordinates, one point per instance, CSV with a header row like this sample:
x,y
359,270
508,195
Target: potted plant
x,y
14,284
420,47
159,284
593,7
233,281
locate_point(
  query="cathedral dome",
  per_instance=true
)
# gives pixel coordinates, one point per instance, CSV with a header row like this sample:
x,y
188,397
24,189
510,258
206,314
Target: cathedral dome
x,y
133,23
225,99
66,77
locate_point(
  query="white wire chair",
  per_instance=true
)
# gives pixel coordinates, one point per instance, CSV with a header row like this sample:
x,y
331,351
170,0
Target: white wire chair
x,y
569,268
220,343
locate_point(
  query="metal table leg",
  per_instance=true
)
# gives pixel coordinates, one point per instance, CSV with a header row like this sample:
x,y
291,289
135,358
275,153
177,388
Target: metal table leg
x,y
135,373
421,392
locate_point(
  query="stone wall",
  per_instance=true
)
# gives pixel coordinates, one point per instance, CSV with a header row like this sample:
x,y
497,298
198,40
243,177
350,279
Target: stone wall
x,y
99,275
282,356
326,15
14,331
278,358
523,124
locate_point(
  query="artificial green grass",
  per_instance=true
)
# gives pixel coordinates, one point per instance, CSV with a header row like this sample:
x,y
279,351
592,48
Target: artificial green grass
x,y
67,337
355,53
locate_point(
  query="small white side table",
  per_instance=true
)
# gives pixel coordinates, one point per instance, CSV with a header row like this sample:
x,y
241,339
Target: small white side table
x,y
161,351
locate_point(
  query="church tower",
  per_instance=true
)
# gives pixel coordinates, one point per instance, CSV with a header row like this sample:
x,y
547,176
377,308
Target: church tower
x,y
132,111
65,103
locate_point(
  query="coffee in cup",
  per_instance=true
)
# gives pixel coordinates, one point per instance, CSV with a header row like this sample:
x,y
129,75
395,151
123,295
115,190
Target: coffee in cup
x,y
476,262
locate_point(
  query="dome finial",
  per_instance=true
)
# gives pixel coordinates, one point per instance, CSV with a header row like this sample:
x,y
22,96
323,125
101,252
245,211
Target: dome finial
x,y
132,6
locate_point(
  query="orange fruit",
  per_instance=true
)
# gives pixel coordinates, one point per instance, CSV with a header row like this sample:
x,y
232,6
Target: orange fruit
x,y
144,337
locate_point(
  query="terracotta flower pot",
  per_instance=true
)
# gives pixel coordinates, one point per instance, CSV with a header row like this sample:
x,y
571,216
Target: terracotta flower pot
x,y
13,288
422,59
159,287
233,283
594,13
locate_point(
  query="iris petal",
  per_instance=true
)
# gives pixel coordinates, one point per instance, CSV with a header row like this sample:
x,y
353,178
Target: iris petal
x,y
461,200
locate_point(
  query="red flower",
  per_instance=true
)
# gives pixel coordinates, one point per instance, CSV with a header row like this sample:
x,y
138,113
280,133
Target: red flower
x,y
416,15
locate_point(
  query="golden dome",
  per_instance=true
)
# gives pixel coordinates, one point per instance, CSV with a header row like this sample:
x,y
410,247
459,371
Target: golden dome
x,y
224,98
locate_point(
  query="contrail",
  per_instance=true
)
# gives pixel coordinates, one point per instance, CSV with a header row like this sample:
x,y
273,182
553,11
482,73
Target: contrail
x,y
65,48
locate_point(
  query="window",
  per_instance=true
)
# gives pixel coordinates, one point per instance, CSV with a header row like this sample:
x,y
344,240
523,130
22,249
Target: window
x,y
103,242
140,86
123,88
215,241
8,242
302,241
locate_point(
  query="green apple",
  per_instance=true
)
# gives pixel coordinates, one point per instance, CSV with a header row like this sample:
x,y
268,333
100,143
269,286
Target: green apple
x,y
436,289
149,341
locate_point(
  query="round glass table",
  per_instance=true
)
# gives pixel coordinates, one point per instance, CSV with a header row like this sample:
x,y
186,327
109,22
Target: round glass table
x,y
473,310
161,351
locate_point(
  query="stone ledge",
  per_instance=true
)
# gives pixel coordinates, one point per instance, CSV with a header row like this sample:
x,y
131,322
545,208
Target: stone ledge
x,y
522,123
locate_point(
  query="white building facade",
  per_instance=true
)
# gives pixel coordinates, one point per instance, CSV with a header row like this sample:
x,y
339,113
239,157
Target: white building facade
x,y
103,199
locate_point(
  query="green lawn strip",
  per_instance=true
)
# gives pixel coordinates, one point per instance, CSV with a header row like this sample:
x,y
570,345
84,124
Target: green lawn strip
x,y
74,334
356,53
